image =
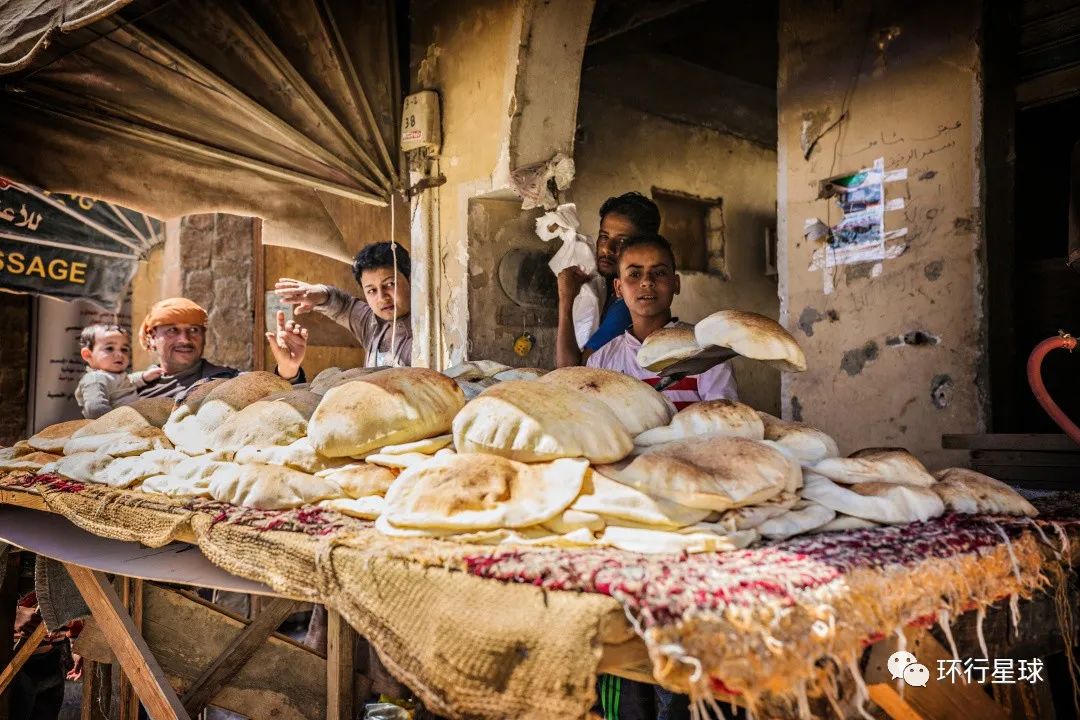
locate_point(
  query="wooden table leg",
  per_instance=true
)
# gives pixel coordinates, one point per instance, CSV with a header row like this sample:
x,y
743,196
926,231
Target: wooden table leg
x,y
340,663
23,651
151,685
9,596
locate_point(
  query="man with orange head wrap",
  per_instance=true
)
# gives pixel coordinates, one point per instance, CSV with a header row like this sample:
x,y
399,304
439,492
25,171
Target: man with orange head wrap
x,y
175,329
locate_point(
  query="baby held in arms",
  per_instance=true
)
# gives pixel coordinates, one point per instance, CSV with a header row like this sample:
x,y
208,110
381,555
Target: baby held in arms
x,y
106,349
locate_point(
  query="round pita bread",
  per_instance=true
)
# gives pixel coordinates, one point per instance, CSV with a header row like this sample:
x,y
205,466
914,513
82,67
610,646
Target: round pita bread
x,y
364,508
264,423
533,421
81,467
482,492
35,461
126,471
649,541
713,417
475,370
193,423
843,523
611,499
332,377
427,446
120,444
882,502
802,518
270,487
142,413
572,520
753,336
384,408
749,517
713,473
967,491
802,442
525,373
635,403
400,461
299,455
358,480
52,438
667,346
18,449
473,388
887,465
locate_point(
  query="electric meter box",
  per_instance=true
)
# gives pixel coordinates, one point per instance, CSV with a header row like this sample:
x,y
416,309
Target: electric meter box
x,y
420,121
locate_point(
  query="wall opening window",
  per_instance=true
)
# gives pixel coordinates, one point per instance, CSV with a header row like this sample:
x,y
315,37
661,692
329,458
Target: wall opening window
x,y
695,228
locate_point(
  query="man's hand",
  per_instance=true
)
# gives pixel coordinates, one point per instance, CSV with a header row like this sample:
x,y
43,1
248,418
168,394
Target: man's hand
x,y
570,281
288,344
152,374
304,297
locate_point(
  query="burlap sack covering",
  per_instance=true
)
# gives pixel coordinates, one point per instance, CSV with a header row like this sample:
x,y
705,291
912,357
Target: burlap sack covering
x,y
468,647
153,520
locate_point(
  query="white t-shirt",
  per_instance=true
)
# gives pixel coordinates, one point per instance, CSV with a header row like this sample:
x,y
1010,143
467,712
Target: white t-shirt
x,y
620,354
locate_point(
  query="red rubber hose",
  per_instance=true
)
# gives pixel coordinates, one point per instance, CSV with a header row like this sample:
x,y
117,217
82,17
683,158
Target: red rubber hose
x,y
1034,364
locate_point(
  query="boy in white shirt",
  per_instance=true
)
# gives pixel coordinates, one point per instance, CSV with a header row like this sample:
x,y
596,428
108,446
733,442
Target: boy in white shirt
x,y
648,283
106,349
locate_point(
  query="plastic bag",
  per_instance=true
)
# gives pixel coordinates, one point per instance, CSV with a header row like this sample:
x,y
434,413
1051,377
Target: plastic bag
x,y
577,249
385,711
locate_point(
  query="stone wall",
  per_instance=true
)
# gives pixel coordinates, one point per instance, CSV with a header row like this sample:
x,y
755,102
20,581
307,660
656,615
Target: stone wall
x,y
216,266
14,366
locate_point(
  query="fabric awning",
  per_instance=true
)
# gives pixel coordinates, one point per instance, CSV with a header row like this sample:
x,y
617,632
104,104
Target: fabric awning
x,y
253,107
71,246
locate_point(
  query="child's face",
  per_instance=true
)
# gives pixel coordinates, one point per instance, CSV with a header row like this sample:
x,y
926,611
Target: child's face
x,y
111,351
384,292
647,281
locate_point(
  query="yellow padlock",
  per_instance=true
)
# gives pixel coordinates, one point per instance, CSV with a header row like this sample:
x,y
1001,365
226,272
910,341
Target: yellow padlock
x,y
523,344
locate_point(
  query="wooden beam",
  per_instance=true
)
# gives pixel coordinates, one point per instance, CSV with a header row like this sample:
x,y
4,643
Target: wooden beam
x,y
237,654
939,698
146,675
1046,442
9,578
23,651
284,680
92,690
340,658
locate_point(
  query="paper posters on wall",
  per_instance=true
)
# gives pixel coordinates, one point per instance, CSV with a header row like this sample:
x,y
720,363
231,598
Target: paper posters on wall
x,y
56,366
860,235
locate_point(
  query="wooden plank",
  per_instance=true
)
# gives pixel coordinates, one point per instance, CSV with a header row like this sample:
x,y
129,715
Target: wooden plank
x,y
1010,441
1032,477
1030,458
139,665
237,654
284,680
340,660
92,690
23,651
888,699
938,699
125,690
9,578
23,498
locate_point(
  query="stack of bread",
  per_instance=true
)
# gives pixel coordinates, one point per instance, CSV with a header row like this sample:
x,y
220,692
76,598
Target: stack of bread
x,y
574,457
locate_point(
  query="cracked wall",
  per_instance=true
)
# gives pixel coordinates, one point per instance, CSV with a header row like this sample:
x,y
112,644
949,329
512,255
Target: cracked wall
x,y
896,356
507,72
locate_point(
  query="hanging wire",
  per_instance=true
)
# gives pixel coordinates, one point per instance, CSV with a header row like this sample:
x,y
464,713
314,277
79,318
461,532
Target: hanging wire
x,y
393,251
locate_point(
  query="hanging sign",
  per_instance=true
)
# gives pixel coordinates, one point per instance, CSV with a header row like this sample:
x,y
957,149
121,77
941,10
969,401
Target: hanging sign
x,y
70,246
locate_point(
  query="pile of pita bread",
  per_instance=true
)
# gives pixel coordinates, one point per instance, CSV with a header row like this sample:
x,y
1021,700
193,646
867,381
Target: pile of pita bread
x,y
483,453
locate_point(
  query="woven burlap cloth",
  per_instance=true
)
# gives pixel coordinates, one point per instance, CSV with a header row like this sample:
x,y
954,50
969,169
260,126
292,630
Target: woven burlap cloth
x,y
470,648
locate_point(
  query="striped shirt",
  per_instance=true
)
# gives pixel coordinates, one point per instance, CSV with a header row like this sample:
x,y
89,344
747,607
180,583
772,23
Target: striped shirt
x,y
620,354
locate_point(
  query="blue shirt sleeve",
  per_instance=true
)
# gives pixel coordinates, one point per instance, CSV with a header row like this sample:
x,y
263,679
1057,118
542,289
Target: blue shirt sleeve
x,y
613,324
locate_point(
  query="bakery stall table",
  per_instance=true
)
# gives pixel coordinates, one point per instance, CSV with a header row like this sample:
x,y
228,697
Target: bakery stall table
x,y
518,631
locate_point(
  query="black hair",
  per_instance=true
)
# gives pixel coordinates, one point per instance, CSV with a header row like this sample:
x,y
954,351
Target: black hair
x,y
636,208
653,240
381,255
89,333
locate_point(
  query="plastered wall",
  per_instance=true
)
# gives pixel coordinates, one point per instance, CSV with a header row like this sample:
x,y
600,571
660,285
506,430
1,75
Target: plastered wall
x,y
623,149
896,353
507,74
